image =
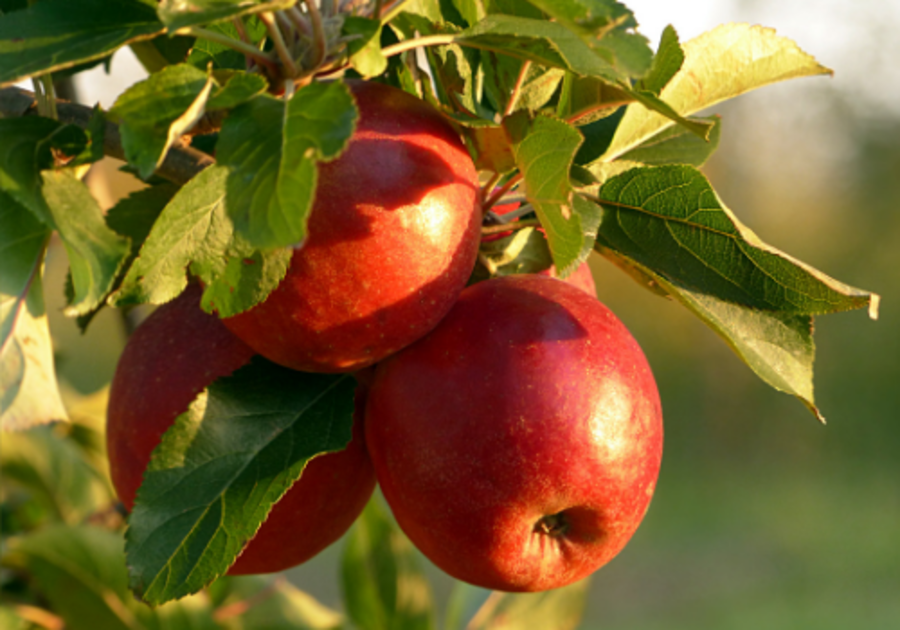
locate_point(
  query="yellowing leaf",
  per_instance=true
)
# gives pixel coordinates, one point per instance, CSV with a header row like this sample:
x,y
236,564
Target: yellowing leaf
x,y
723,63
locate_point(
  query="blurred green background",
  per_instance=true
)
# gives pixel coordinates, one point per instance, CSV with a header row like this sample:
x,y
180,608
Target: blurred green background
x,y
762,518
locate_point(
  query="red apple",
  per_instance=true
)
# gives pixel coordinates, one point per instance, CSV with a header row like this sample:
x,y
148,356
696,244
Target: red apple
x,y
519,443
393,237
171,357
581,277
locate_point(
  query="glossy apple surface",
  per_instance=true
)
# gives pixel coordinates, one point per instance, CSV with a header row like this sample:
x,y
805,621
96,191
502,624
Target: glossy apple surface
x,y
393,237
519,443
172,356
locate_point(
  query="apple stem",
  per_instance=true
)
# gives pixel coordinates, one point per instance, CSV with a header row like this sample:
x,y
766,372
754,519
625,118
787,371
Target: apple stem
x,y
520,81
553,525
497,196
488,230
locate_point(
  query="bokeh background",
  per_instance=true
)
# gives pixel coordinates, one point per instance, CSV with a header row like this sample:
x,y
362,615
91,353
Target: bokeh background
x,y
762,518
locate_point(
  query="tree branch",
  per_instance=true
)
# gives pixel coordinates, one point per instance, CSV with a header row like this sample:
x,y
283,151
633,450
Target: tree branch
x,y
181,163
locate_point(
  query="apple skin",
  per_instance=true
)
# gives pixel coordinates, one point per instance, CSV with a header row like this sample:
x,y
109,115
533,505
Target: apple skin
x,y
519,443
172,356
581,277
393,237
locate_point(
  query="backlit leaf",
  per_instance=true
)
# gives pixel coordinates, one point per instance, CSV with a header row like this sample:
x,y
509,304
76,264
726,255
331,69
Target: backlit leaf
x,y
544,149
383,586
746,57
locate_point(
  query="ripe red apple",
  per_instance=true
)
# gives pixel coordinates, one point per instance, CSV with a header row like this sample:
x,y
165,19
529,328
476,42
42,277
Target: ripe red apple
x,y
581,277
393,237
519,443
172,356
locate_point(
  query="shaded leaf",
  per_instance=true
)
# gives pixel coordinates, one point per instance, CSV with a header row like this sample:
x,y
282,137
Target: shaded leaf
x,y
670,220
222,57
675,145
544,149
383,587
22,242
20,166
523,251
133,216
746,57
778,347
177,14
272,149
55,34
154,113
178,541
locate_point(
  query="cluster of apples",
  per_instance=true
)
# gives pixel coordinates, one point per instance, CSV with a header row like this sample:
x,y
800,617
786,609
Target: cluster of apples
x,y
513,426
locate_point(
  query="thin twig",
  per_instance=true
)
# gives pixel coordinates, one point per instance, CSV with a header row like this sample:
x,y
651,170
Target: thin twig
x,y
180,165
515,179
517,89
489,186
284,55
321,46
416,42
488,230
389,12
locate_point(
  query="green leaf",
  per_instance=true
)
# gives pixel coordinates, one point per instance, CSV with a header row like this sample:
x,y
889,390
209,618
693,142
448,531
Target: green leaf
x,y
63,203
55,34
558,609
272,149
240,88
365,52
134,215
179,541
159,52
523,251
276,605
80,570
670,220
586,100
540,41
96,253
675,145
383,587
55,472
10,619
154,113
222,57
544,149
29,394
177,14
22,242
20,166
778,347
746,57
666,63
194,231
